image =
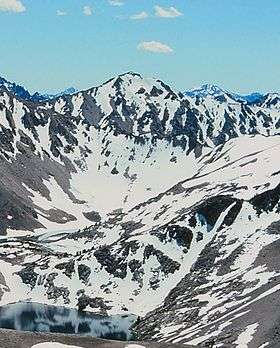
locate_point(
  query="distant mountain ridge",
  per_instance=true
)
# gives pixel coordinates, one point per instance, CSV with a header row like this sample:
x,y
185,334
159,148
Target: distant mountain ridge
x,y
22,93
43,97
17,90
205,90
202,92
216,91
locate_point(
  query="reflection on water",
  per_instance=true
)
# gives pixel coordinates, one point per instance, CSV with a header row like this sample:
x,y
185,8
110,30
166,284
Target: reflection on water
x,y
43,318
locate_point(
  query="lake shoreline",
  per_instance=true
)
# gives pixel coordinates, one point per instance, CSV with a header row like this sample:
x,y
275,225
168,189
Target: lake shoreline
x,y
23,339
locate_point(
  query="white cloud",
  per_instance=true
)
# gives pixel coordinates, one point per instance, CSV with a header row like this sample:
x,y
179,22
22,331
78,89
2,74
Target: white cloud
x,y
61,13
11,6
116,2
155,47
87,11
139,16
169,12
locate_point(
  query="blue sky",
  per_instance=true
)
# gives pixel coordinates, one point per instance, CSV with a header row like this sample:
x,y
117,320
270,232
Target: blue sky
x,y
232,43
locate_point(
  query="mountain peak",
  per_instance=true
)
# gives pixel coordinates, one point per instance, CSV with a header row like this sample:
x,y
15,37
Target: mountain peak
x,y
205,90
17,90
70,90
130,74
215,91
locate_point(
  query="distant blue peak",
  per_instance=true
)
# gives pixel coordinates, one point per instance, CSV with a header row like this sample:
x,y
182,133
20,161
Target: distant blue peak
x,y
23,93
205,90
216,91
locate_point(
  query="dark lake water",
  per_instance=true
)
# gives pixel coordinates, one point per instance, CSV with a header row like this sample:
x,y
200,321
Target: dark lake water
x,y
44,318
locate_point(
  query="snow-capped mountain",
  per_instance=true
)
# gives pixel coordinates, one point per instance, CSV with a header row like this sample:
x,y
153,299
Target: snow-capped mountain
x,y
205,91
214,91
271,100
118,135
131,197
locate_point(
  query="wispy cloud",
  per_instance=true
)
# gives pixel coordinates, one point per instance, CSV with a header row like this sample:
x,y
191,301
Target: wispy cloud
x,y
140,16
116,2
61,13
155,47
87,10
169,12
11,6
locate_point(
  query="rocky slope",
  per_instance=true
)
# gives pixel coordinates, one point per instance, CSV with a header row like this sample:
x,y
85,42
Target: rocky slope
x,y
61,153
180,196
211,240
